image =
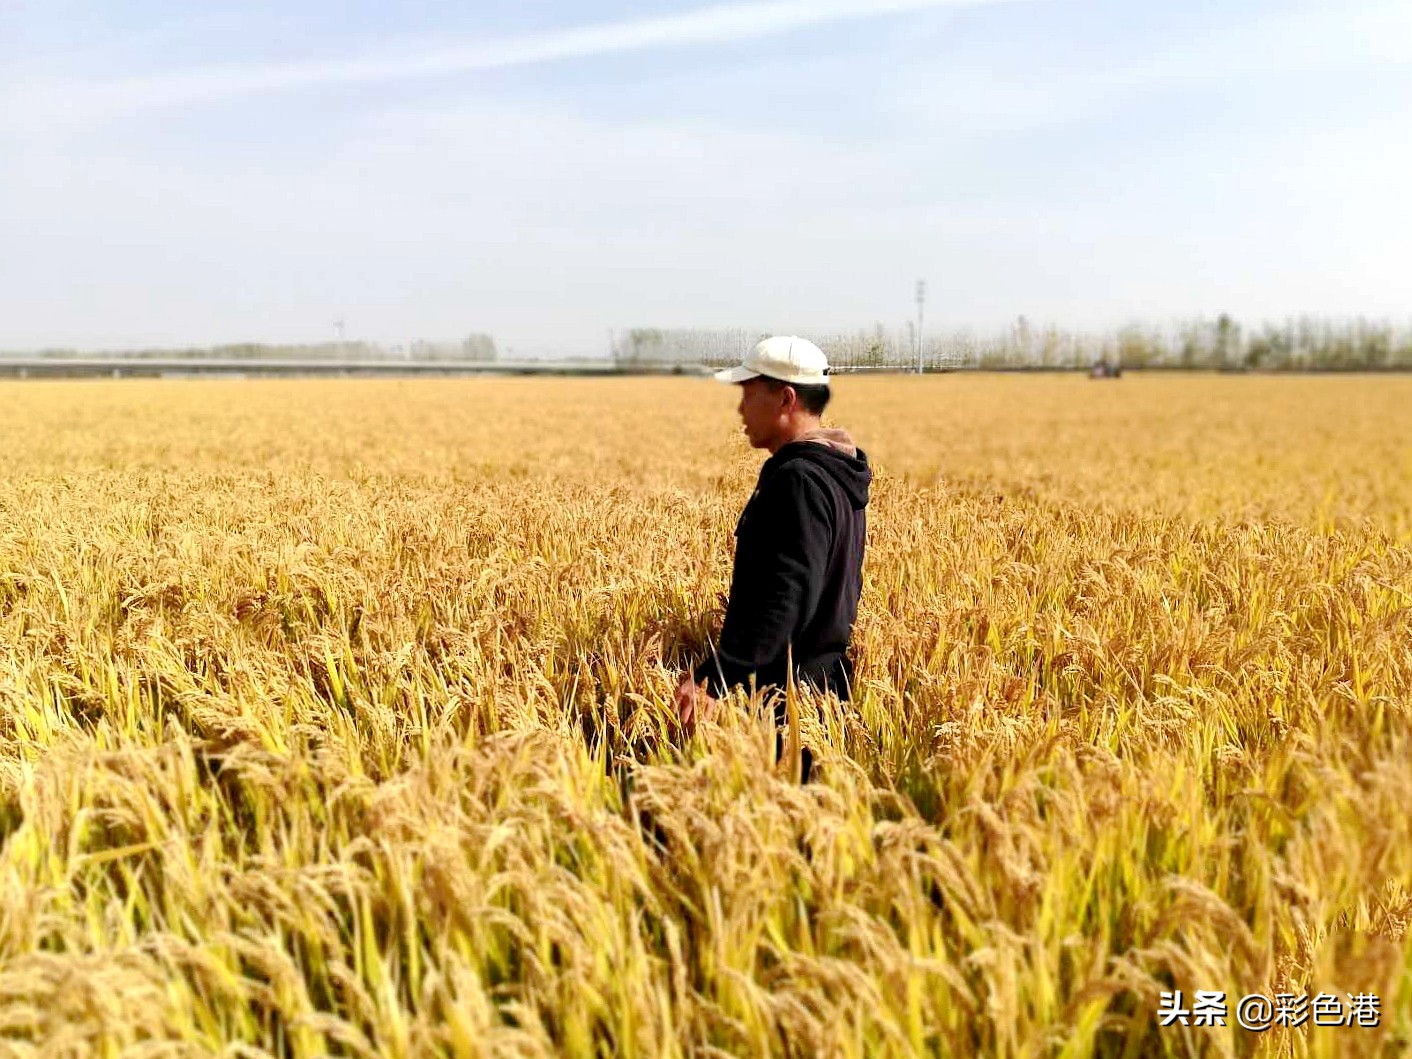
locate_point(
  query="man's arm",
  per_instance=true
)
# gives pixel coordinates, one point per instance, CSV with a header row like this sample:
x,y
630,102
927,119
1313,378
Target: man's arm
x,y
784,554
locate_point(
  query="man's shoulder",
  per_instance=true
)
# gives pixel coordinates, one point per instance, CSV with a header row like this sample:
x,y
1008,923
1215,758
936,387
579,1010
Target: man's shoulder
x,y
796,470
799,483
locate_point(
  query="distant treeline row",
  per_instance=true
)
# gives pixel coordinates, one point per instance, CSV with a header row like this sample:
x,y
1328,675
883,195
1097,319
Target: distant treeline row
x,y
473,347
1303,344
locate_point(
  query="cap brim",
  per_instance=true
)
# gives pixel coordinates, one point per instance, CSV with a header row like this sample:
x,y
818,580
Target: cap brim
x,y
739,373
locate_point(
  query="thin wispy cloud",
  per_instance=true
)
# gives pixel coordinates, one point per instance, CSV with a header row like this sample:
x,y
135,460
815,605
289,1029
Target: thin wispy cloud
x,y
718,24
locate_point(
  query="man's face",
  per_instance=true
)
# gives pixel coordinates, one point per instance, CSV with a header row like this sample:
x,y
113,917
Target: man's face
x,y
761,410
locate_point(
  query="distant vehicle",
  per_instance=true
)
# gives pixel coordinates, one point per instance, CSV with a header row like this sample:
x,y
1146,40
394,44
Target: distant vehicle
x,y
1103,370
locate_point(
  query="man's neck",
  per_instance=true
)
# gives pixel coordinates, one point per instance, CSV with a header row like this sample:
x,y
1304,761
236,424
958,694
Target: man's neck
x,y
795,431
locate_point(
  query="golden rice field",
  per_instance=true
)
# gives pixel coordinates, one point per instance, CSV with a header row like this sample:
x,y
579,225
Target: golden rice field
x,y
333,721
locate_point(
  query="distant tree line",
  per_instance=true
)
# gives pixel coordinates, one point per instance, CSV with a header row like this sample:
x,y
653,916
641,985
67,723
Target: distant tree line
x,y
1220,344
478,347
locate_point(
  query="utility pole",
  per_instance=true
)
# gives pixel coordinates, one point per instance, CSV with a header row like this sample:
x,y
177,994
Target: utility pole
x,y
921,300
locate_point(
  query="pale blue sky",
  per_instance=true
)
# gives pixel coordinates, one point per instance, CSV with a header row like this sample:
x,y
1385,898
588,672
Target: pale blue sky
x,y
255,171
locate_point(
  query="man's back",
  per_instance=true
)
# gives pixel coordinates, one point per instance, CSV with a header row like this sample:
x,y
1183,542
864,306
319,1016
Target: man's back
x,y
798,569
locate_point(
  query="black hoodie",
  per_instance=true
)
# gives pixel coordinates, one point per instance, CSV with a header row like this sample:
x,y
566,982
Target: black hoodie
x,y
798,570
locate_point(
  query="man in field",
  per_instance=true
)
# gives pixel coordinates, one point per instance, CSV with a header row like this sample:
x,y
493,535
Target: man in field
x,y
799,542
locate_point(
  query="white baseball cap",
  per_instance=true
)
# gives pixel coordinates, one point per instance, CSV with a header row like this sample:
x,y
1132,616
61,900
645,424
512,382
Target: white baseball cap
x,y
787,358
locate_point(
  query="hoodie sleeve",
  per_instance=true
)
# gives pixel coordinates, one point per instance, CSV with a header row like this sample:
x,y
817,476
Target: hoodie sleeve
x,y
781,559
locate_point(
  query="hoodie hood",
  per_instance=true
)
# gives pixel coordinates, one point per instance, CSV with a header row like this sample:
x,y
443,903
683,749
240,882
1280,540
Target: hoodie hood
x,y
833,450
835,438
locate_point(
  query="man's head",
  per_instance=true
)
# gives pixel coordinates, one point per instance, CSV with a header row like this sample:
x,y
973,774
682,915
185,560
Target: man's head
x,y
784,389
775,413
